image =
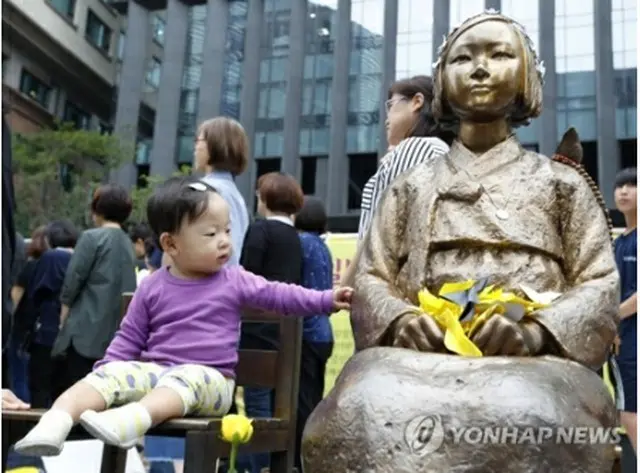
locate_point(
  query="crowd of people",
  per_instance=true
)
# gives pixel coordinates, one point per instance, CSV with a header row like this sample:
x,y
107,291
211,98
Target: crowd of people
x,y
67,296
194,266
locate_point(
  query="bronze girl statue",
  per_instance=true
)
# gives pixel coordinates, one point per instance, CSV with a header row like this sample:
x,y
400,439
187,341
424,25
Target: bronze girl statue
x,y
493,210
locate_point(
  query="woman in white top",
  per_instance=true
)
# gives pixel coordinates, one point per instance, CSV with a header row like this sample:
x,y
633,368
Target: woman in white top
x,y
413,137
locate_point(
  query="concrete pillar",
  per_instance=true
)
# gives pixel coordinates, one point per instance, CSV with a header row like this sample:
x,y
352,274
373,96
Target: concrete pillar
x,y
295,77
214,55
440,24
388,65
608,153
165,133
338,165
132,75
548,120
250,92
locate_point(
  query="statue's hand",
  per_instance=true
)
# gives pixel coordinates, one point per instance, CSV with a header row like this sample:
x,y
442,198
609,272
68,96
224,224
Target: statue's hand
x,y
500,336
418,332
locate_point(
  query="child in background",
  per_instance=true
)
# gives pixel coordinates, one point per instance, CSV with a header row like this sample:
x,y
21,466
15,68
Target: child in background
x,y
626,249
176,351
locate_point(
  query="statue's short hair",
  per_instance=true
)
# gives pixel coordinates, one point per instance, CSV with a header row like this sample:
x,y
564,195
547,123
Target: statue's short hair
x,y
528,105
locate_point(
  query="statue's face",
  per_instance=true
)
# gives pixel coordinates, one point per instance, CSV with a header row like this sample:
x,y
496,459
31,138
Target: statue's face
x,y
483,71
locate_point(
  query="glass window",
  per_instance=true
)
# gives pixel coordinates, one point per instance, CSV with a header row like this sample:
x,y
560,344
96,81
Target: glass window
x,y
143,150
274,65
191,76
526,13
365,75
121,41
575,43
185,149
277,99
273,143
189,101
35,88
460,10
65,7
97,32
320,38
75,115
158,29
575,67
191,79
624,17
415,38
153,74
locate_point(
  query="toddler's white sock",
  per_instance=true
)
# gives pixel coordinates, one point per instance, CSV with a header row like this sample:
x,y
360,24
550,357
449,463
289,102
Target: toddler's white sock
x,y
47,438
121,426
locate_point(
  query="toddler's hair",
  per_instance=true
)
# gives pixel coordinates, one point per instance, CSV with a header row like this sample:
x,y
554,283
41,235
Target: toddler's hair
x,y
627,176
177,199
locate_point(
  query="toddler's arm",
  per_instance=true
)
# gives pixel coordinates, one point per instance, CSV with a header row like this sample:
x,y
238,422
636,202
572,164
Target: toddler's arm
x,y
257,293
131,338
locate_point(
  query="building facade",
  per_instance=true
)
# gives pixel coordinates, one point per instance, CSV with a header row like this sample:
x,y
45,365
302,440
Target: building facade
x,y
61,61
308,80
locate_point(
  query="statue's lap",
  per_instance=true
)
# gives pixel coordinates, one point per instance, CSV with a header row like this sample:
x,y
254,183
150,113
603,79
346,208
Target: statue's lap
x,y
400,411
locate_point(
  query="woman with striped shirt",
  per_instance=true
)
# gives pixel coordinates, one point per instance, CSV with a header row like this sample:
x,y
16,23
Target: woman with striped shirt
x,y
413,137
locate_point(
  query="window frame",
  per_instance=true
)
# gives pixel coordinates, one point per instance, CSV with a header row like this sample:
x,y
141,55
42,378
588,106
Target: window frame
x,y
81,112
40,83
155,22
148,74
107,35
70,12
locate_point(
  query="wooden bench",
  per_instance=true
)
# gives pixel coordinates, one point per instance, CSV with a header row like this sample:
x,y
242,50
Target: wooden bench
x,y
203,446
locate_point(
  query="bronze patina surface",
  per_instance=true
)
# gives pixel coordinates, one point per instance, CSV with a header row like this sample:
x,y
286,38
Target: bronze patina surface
x,y
494,210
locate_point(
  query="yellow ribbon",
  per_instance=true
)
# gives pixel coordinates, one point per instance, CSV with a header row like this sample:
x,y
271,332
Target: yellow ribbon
x,y
491,300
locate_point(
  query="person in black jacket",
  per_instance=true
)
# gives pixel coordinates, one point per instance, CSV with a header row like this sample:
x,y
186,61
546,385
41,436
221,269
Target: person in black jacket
x,y
271,249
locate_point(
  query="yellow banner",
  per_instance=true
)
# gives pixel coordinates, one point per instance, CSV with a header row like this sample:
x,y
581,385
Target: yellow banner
x,y
343,249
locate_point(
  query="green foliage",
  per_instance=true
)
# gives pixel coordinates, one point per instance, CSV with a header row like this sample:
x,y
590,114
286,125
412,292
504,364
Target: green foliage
x,y
56,172
141,195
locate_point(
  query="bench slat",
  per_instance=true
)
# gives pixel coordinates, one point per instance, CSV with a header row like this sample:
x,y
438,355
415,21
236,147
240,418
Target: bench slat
x,y
257,368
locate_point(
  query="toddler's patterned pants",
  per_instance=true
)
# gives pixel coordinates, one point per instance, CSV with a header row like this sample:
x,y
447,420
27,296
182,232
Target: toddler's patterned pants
x,y
204,391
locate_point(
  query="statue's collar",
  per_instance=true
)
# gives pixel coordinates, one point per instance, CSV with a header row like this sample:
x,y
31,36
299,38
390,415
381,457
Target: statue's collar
x,y
461,159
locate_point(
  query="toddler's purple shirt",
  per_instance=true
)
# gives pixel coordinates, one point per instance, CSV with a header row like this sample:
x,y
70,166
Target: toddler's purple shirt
x,y
172,321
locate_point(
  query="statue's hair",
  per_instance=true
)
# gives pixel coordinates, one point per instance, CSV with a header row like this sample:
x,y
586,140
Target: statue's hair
x,y
569,152
528,105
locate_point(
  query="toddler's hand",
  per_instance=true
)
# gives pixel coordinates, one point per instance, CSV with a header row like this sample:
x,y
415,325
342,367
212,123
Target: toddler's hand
x,y
342,298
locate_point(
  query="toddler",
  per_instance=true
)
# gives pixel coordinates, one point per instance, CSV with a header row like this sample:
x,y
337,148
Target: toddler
x,y
176,350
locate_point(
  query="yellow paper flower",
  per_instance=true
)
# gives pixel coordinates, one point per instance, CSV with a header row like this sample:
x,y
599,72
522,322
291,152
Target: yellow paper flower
x,y
236,428
489,301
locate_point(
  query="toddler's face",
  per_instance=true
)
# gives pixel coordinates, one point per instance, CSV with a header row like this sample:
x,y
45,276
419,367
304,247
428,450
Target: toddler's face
x,y
204,246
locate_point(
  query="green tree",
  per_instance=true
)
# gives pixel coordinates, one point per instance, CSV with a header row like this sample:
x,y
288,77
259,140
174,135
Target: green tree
x,y
141,195
56,172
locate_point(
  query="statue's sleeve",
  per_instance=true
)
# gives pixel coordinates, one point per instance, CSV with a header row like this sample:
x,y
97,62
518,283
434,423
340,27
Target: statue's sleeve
x,y
377,302
583,322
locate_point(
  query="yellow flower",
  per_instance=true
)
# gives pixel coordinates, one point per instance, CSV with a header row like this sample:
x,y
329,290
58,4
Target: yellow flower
x,y
236,428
